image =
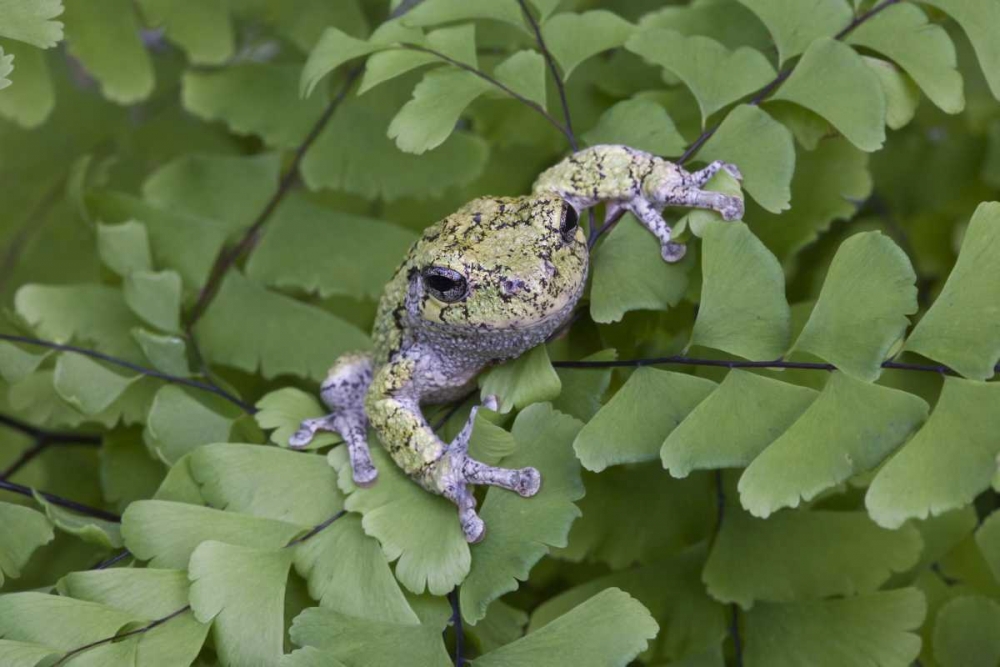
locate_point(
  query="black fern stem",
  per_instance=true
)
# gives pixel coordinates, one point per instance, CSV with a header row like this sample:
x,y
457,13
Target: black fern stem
x,y
456,620
67,437
142,370
768,89
556,75
681,360
66,503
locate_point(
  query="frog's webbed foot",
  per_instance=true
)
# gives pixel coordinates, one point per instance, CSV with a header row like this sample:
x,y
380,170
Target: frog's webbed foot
x,y
460,472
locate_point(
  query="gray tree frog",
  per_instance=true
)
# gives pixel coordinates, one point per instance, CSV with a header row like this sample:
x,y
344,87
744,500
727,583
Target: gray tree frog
x,y
484,285
640,183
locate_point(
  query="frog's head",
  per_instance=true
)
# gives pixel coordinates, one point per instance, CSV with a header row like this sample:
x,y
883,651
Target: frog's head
x,y
503,264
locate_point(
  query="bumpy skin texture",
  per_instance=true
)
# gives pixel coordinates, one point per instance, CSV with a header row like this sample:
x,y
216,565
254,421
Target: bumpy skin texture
x,y
638,182
521,264
484,285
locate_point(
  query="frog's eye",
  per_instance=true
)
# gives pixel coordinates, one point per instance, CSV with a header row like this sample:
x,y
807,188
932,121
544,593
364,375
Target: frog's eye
x,y
444,284
569,222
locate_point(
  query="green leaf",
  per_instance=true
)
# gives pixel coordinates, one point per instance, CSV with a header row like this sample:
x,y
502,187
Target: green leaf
x,y
124,248
573,38
178,422
166,353
630,274
155,297
861,313
6,67
94,314
988,541
961,327
252,479
611,628
294,338
716,76
354,154
640,123
980,21
674,514
418,529
309,657
827,182
31,22
30,102
348,573
632,426
241,591
804,555
360,641
23,654
967,632
25,530
225,192
743,309
762,148
524,73
872,629
128,471
901,95
254,99
102,532
458,43
671,589
545,441
328,252
795,25
902,33
520,382
731,427
104,36
166,533
88,385
16,363
426,121
490,443
833,81
285,409
584,388
436,12
201,27
60,622
850,428
950,460
333,50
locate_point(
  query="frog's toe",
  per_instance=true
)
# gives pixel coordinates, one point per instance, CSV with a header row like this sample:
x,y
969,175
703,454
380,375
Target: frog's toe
x,y
673,252
733,171
733,209
300,438
473,526
365,476
528,482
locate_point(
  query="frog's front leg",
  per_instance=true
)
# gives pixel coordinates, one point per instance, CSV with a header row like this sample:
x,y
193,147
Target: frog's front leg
x,y
442,468
343,391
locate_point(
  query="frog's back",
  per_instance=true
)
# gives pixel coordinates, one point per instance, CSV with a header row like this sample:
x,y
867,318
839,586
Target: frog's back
x,y
607,172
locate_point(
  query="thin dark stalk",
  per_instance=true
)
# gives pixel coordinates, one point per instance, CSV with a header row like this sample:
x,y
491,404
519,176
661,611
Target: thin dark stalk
x,y
734,633
316,530
107,640
489,79
60,501
229,256
26,457
597,232
738,363
456,621
149,372
52,436
556,75
113,560
768,89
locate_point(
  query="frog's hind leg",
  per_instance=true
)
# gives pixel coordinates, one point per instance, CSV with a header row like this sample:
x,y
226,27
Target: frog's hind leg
x,y
343,392
702,176
653,220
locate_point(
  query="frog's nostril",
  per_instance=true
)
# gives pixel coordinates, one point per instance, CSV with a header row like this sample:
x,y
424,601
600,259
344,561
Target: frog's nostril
x,y
511,286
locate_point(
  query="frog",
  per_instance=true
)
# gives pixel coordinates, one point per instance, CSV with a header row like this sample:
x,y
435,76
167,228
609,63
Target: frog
x,y
643,184
484,285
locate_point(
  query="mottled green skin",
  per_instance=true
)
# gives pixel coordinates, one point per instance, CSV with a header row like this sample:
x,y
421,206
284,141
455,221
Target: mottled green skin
x,y
525,267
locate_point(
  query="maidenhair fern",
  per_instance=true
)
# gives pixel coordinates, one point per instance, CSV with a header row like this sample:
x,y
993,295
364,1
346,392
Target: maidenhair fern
x,y
781,450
